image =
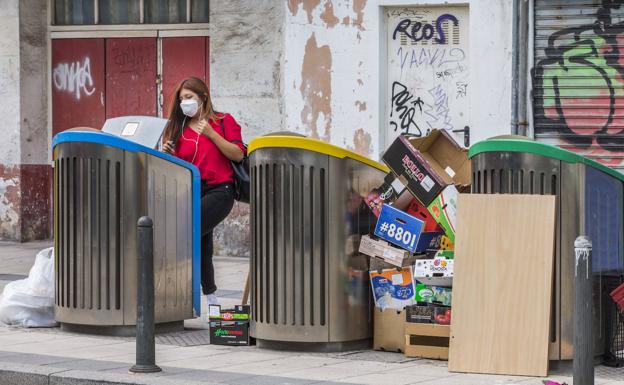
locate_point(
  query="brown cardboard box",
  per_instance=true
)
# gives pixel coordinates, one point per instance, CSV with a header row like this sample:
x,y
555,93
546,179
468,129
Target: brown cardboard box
x,y
429,164
378,264
427,340
382,249
389,330
391,190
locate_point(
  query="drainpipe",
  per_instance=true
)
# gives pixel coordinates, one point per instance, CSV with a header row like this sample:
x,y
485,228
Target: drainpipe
x,y
520,32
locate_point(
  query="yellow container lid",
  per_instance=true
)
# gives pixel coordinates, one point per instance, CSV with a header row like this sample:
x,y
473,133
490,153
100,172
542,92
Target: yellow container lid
x,y
310,144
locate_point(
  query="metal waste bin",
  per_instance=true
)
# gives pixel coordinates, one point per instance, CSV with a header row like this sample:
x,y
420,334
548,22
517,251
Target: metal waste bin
x,y
103,183
310,286
589,202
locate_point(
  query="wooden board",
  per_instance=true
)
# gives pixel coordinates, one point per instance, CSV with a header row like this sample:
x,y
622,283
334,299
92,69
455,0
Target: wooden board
x,y
427,341
502,284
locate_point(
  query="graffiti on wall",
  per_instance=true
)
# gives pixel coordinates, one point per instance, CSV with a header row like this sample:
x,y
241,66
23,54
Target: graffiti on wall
x,y
74,78
578,87
428,70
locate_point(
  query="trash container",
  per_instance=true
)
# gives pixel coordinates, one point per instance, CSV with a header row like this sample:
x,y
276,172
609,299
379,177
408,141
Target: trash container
x,y
589,202
310,286
103,183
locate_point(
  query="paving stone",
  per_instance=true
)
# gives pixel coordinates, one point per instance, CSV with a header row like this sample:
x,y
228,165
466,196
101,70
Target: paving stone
x,y
72,358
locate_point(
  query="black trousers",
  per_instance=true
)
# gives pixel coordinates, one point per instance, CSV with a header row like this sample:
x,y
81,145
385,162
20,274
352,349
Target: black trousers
x,y
216,204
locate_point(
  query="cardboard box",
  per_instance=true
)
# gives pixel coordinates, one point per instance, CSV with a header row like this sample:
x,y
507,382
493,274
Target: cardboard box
x,y
427,341
448,254
431,314
238,313
404,201
437,271
416,209
391,189
433,294
429,241
446,244
229,326
393,288
444,210
420,314
229,333
389,330
381,249
429,164
399,228
378,264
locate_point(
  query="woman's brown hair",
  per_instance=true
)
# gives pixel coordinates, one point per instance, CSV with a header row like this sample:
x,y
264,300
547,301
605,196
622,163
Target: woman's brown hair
x,y
174,128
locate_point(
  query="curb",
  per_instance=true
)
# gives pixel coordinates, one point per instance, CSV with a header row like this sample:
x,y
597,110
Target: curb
x,y
20,374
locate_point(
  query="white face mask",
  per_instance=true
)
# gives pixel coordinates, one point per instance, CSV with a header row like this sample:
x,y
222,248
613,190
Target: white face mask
x,y
189,107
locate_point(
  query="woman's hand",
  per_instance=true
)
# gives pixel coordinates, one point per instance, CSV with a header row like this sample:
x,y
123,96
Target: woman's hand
x,y
168,147
205,128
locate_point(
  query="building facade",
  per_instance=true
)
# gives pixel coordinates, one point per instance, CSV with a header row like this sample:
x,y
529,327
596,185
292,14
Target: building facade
x,y
355,73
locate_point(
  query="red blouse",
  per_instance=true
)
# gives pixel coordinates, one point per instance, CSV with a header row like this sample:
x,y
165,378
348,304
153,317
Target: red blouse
x,y
214,167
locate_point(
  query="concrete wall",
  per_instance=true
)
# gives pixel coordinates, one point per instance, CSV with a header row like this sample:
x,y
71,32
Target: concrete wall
x,y
36,172
25,174
34,82
246,69
319,67
334,67
9,119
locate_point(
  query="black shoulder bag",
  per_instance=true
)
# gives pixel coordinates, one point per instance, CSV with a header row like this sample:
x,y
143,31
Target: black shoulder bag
x,y
241,173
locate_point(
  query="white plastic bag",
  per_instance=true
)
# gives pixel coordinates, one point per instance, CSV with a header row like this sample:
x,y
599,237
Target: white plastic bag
x,y
29,302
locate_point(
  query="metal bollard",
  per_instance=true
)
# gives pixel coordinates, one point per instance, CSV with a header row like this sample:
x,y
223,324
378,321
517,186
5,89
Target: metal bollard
x,y
145,345
583,363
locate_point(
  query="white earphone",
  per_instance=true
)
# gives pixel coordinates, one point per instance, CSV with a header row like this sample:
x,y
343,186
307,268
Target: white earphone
x,y
196,140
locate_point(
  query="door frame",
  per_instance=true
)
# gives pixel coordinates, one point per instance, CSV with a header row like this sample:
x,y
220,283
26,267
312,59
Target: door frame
x,y
157,31
384,7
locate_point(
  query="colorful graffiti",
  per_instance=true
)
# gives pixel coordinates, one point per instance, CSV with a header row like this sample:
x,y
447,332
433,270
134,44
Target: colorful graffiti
x,y
579,87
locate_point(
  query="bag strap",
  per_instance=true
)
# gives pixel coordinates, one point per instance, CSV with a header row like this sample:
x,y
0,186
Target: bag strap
x,y
223,131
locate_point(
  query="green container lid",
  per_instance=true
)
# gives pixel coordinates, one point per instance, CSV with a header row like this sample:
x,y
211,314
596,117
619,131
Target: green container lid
x,y
517,144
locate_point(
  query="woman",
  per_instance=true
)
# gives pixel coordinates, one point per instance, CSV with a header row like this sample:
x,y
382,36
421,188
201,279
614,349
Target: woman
x,y
210,140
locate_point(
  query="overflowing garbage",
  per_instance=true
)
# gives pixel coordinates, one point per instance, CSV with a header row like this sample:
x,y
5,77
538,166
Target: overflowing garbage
x,y
29,302
412,247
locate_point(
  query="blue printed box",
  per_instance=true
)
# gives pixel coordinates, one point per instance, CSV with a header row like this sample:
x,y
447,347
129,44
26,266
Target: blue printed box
x,y
399,228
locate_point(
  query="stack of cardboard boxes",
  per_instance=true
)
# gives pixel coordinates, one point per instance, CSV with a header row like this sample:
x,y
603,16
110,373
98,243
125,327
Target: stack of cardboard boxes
x,y
412,247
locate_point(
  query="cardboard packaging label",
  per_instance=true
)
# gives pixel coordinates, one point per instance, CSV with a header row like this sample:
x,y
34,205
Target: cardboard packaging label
x,y
393,288
444,210
436,267
238,313
432,314
229,333
433,294
387,193
399,228
229,326
437,271
428,164
429,241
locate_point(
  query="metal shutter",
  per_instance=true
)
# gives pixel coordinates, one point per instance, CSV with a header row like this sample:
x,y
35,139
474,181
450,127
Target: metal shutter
x,y
578,77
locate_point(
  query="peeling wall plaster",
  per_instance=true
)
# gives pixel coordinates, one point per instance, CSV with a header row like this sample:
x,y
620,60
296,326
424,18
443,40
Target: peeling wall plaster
x,y
353,105
326,46
9,202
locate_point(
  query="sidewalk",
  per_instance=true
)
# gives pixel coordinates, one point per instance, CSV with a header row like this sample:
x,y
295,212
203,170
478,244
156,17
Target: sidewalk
x,y
50,356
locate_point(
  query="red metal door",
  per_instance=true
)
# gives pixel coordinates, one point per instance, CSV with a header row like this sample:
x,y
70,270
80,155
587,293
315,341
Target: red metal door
x,y
78,85
131,77
183,57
